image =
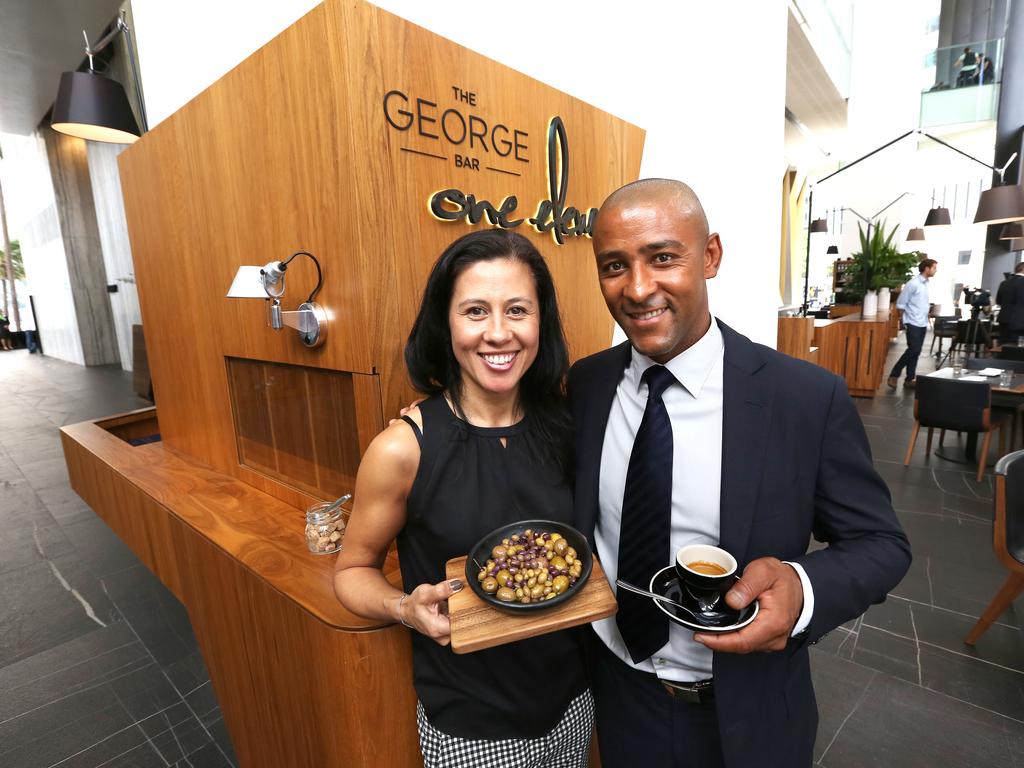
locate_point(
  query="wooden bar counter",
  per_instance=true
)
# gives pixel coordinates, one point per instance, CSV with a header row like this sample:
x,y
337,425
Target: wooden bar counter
x,y
855,348
300,680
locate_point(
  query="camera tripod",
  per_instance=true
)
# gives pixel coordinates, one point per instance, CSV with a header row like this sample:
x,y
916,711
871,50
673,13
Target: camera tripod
x,y
970,337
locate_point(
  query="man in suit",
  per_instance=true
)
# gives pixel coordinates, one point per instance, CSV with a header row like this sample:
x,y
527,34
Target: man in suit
x,y
1010,298
691,433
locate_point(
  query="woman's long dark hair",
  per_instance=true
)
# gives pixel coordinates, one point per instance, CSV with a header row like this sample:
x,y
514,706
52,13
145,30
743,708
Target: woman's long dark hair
x,y
431,361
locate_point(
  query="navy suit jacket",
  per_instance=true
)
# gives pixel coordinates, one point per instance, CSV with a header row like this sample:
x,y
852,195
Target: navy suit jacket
x,y
795,462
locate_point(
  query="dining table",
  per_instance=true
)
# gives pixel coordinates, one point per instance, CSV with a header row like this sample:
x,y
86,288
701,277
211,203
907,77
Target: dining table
x,y
1009,396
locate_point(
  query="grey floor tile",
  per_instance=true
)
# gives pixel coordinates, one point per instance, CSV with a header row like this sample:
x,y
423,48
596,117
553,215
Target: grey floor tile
x,y
900,724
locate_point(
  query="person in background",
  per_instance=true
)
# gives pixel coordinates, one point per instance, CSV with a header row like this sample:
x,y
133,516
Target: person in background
x,y
968,63
691,433
913,303
1010,298
5,333
490,445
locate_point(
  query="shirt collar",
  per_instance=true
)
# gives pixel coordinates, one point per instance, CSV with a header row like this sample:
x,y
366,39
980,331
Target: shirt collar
x,y
691,367
922,278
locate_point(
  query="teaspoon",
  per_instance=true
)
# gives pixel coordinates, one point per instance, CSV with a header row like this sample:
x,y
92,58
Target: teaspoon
x,y
632,588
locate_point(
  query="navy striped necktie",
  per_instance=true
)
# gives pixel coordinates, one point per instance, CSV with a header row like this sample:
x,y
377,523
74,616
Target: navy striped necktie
x,y
644,533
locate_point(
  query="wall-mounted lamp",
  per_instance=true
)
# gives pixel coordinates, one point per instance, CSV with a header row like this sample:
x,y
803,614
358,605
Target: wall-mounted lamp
x,y
267,282
92,106
916,234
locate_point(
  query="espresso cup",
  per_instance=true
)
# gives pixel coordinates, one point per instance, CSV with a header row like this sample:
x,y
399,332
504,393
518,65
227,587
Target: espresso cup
x,y
706,572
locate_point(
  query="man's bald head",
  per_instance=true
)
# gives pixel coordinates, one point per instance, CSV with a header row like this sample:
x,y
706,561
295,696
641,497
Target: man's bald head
x,y
662,192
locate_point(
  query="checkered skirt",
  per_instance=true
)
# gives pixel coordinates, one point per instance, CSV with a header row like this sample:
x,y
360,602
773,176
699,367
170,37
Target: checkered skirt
x,y
565,746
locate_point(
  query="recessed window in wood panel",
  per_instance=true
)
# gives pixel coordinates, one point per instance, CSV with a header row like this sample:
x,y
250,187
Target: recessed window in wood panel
x,y
295,424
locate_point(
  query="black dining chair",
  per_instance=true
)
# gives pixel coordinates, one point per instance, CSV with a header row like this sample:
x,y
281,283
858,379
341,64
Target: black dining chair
x,y
964,406
1008,352
1004,402
945,328
1007,539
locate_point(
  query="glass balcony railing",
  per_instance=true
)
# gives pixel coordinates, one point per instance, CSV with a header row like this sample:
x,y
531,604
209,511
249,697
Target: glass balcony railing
x,y
962,66
960,83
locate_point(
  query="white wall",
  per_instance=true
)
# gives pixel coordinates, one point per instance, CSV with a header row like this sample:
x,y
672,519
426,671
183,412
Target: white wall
x,y
708,89
186,45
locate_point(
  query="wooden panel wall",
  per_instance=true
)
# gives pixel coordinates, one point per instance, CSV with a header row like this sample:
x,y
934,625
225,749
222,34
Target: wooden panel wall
x,y
292,150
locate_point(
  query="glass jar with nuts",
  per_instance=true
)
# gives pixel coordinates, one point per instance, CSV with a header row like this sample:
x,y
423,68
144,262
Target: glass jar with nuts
x,y
325,526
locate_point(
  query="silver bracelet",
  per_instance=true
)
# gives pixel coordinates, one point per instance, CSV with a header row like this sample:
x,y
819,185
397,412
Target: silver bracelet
x,y
401,618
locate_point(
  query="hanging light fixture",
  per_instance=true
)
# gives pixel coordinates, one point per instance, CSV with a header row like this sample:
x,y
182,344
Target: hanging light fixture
x,y
832,250
1012,231
916,234
938,216
1001,204
818,225
91,106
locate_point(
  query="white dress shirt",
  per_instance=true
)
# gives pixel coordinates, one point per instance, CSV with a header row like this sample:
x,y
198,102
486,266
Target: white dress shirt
x,y
694,407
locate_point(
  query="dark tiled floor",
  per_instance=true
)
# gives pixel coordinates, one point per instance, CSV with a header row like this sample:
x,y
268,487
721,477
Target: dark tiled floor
x,y
98,663
99,667
898,686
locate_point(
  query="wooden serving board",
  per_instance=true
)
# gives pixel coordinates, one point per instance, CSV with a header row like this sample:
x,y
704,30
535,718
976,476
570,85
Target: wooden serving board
x,y
476,625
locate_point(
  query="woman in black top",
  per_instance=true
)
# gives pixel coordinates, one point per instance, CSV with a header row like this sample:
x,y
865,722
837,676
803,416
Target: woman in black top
x,y
489,446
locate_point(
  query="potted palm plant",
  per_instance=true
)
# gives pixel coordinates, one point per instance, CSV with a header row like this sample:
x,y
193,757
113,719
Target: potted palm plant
x,y
878,268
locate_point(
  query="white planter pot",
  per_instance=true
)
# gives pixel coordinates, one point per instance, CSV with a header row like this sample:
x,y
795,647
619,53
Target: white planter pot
x,y
870,306
884,298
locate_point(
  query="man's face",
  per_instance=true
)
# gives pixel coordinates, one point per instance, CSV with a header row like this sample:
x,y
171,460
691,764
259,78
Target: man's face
x,y
930,271
652,263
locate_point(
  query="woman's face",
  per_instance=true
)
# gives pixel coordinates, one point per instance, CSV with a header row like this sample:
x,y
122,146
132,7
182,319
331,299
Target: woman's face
x,y
494,319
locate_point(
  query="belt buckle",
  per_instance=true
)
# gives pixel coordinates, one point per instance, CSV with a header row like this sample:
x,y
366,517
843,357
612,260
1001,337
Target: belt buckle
x,y
691,693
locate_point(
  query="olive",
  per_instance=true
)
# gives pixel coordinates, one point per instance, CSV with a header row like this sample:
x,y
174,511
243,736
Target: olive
x,y
561,583
561,545
481,576
503,577
537,591
490,585
498,552
506,595
558,562
555,536
570,552
542,563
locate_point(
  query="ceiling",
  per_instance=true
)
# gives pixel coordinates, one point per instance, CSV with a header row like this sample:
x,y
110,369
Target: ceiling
x,y
810,94
39,39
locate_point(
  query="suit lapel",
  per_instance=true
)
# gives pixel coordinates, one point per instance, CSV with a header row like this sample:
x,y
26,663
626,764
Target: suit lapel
x,y
746,419
590,435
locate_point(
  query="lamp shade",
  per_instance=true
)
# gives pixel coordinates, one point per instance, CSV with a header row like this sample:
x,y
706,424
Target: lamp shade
x,y
91,106
819,225
1000,204
916,234
937,217
833,250
1016,245
1012,231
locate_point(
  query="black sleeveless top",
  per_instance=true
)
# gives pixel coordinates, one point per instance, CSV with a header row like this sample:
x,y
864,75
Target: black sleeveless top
x,y
467,485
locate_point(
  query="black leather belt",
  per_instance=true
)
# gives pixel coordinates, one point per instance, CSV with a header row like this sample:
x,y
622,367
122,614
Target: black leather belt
x,y
693,693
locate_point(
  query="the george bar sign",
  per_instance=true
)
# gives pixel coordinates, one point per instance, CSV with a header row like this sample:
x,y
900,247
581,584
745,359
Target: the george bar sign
x,y
453,129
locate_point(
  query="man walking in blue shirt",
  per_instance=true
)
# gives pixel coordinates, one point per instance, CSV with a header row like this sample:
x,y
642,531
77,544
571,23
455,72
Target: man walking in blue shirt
x,y
913,302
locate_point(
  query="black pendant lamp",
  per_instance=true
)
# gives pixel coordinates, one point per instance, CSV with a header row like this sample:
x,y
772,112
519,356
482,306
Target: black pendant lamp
x,y
937,217
917,233
819,225
1012,231
91,106
1001,204
832,250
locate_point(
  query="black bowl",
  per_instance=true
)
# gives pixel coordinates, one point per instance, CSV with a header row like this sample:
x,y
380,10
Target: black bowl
x,y
481,553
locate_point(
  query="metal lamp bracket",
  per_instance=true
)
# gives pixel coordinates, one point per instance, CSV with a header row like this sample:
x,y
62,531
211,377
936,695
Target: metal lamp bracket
x,y
310,320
